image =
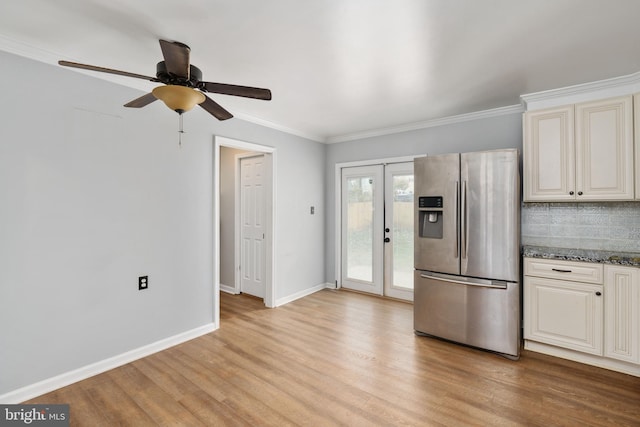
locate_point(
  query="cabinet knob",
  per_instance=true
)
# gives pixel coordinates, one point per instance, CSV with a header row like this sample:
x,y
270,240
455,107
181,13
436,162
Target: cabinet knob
x,y
598,293
579,193
571,193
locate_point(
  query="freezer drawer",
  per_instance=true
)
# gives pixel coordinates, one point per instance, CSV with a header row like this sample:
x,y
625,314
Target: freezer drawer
x,y
484,314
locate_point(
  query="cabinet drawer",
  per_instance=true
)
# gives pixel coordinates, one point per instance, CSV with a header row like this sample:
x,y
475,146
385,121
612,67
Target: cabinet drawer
x,y
565,270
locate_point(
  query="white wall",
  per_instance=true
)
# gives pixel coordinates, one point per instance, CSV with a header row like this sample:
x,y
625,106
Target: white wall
x,y
300,236
93,195
491,133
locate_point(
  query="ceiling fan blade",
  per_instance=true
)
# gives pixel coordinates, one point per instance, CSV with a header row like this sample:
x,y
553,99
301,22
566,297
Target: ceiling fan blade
x,y
176,58
143,101
105,70
215,109
244,91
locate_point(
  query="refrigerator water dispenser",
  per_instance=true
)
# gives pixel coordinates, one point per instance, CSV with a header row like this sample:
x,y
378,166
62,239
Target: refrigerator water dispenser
x,y
430,217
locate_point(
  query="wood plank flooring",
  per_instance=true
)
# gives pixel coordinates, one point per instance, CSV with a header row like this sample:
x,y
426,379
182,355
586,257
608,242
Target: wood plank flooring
x,y
342,358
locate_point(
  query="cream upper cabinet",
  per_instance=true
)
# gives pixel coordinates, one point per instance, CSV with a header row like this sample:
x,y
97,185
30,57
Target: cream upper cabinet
x,y
549,155
604,150
581,152
622,313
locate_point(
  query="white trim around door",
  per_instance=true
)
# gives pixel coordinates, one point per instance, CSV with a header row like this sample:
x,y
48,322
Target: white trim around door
x,y
270,217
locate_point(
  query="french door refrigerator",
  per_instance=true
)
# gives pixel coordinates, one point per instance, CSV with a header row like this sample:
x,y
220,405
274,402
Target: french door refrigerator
x,y
467,249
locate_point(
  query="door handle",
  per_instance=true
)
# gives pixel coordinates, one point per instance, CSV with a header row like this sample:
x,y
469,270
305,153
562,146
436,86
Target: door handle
x,y
456,222
493,285
465,227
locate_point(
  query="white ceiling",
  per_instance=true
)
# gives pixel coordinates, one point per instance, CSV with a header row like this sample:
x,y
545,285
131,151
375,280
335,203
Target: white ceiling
x,y
339,69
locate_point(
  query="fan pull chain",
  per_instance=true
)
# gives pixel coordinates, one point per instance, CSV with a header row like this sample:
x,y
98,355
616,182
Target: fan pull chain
x,y
180,130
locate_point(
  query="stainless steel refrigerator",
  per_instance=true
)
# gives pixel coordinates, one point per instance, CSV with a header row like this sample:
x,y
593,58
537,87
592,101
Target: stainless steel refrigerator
x,y
467,249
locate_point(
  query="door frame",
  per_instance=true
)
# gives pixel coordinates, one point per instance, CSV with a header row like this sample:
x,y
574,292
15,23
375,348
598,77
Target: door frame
x,y
270,218
338,202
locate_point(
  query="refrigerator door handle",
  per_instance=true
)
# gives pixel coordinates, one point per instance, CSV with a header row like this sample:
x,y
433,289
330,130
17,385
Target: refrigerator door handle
x,y
464,226
478,283
455,209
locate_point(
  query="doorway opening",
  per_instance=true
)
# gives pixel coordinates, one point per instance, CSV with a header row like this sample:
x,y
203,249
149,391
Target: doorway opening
x,y
228,155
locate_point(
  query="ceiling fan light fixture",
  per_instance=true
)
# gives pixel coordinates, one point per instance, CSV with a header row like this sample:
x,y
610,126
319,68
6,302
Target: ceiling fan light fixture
x,y
179,98
181,79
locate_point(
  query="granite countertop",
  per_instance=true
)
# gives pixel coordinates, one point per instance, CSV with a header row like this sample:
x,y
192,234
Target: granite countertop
x,y
585,255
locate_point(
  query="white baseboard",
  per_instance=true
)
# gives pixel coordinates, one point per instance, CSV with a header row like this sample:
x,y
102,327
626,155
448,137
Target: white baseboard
x,y
589,359
228,289
302,294
62,380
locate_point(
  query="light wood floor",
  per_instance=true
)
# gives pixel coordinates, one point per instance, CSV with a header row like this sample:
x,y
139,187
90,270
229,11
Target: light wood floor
x,y
342,358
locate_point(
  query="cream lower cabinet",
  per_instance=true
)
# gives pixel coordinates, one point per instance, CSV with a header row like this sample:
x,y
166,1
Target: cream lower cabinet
x,y
580,152
567,314
561,308
583,311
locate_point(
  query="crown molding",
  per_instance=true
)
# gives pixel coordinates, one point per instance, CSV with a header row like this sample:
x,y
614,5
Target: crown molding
x,y
278,127
16,47
28,51
616,86
478,115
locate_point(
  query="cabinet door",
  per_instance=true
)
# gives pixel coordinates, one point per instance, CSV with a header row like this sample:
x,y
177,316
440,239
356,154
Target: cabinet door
x,y
622,320
604,150
548,155
566,314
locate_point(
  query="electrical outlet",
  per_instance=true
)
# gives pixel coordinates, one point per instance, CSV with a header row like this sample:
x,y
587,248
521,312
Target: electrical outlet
x,y
313,210
143,282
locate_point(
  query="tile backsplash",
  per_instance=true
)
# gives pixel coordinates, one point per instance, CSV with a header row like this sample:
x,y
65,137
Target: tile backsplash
x,y
611,226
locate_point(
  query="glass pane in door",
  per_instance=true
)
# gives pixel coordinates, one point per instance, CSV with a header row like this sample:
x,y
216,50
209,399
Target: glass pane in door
x,y
360,228
402,237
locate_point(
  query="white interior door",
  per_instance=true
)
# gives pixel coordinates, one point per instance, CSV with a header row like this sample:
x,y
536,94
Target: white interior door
x,y
252,232
377,229
398,250
362,228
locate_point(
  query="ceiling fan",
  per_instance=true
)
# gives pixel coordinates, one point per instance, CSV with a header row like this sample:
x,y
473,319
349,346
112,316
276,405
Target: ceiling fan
x,y
183,86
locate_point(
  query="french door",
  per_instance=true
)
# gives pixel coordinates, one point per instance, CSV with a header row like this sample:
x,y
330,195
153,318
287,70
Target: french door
x,y
377,229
